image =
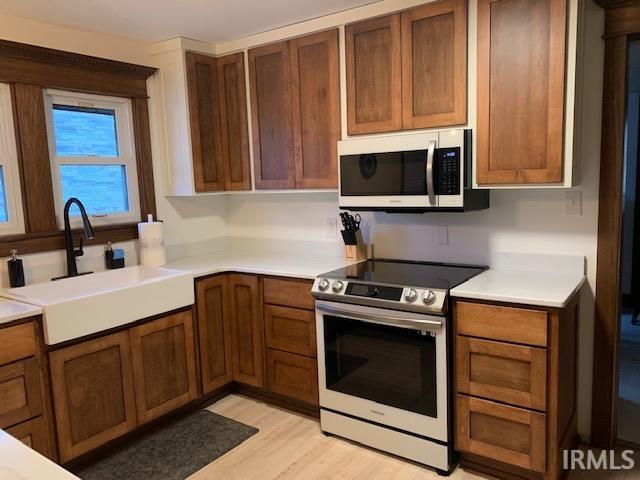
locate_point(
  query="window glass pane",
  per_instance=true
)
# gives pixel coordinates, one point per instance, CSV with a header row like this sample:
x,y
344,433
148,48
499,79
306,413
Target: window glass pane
x,y
84,131
100,188
4,213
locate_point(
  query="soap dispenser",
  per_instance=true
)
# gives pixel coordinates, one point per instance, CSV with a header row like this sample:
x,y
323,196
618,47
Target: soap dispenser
x,y
16,272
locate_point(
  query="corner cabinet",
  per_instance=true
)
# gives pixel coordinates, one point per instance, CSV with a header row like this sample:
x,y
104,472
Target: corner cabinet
x,y
526,62
291,82
408,70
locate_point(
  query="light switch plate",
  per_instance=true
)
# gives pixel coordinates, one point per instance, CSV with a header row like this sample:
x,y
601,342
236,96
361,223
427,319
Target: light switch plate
x,y
442,234
573,202
332,227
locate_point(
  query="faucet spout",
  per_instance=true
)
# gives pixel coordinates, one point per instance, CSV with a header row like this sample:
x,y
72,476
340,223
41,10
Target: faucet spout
x,y
72,252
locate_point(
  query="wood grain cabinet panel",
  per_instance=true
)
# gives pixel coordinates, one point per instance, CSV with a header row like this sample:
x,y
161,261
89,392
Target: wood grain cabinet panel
x,y
292,375
214,332
233,122
17,342
521,84
500,432
434,65
204,120
373,68
247,330
93,393
288,293
20,392
315,88
290,329
35,434
271,116
509,373
164,365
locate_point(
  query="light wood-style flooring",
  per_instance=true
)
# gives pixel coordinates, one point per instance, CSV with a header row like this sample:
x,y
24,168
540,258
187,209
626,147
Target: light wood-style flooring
x,y
291,446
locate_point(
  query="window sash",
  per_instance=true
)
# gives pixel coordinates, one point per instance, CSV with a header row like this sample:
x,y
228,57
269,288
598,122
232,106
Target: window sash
x,y
9,164
126,154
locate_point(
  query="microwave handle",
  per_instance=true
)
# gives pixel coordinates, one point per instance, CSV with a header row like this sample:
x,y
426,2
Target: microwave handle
x,y
430,189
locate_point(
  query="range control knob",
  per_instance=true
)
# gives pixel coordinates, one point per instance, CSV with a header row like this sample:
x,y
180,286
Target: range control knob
x,y
428,297
337,286
323,285
410,295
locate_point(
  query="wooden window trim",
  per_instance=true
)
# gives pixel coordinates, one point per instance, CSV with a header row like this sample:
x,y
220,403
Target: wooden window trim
x,y
31,69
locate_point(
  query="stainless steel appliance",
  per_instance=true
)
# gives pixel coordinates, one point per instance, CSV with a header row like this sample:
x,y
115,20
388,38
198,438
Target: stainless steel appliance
x,y
415,172
384,344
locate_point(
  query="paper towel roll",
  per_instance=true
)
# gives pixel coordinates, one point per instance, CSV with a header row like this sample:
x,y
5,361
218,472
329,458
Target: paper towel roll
x,y
151,239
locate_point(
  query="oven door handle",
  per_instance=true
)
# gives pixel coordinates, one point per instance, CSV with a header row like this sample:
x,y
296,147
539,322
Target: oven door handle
x,y
388,320
431,191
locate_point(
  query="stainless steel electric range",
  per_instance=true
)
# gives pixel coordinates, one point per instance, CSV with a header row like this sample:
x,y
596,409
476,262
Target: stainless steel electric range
x,y
384,356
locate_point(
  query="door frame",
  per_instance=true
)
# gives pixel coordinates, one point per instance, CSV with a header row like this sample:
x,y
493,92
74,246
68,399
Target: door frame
x,y
622,24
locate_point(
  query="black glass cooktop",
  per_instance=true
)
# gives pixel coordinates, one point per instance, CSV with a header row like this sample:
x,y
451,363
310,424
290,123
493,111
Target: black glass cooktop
x,y
407,274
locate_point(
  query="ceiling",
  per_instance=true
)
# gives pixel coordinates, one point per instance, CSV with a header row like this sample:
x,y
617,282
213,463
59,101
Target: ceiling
x,y
155,20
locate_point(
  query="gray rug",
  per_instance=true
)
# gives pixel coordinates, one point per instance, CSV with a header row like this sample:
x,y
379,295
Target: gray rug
x,y
171,452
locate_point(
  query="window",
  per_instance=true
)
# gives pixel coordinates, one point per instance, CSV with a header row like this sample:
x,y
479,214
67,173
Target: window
x,y
92,156
11,217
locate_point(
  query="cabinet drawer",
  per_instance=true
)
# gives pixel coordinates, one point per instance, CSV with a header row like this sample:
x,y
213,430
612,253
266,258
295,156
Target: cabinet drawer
x,y
495,322
35,434
290,329
505,372
289,293
507,434
17,343
20,394
292,375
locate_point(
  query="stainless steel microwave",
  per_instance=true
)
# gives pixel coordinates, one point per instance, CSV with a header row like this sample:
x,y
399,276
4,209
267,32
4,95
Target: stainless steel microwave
x,y
417,172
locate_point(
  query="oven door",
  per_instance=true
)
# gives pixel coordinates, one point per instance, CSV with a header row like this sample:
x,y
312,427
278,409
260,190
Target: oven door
x,y
385,366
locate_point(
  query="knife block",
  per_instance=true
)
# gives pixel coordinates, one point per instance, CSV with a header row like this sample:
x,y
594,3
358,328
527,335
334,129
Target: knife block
x,y
356,253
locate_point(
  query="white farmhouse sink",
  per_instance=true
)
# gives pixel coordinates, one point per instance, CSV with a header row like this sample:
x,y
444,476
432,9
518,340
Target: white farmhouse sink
x,y
86,304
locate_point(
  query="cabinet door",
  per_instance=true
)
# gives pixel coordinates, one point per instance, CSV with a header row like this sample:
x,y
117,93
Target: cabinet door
x,y
233,122
164,365
521,81
247,329
508,373
373,65
93,393
35,434
271,116
315,86
204,118
20,393
290,329
293,375
511,435
214,332
434,65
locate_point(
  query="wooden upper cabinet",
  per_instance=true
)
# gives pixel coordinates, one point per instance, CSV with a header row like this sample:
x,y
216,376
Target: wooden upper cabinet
x,y
164,365
521,84
373,67
93,393
315,86
247,330
271,116
204,119
233,122
434,65
214,328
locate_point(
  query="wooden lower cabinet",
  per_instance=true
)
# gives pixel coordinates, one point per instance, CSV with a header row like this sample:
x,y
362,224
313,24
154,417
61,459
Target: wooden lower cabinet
x,y
35,434
290,329
20,392
247,331
292,375
164,365
214,332
93,393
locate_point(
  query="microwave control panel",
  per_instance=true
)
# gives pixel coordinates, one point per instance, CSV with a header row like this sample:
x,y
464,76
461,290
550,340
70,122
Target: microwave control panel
x,y
447,171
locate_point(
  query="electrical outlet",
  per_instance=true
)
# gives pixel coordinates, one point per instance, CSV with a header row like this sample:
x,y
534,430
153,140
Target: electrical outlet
x,y
573,202
332,227
442,234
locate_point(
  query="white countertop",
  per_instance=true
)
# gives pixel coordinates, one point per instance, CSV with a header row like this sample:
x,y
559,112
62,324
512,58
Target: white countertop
x,y
11,310
257,263
531,288
19,462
